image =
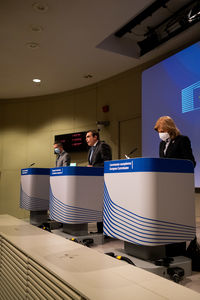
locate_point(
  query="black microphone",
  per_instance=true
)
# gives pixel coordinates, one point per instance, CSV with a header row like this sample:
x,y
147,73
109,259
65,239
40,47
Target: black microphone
x,y
135,149
127,156
31,165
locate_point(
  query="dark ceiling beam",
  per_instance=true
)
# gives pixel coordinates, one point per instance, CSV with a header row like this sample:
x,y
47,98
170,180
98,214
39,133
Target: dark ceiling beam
x,y
142,16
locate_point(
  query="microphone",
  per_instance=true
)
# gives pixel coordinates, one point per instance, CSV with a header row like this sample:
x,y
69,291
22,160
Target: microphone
x,y
135,149
31,165
128,156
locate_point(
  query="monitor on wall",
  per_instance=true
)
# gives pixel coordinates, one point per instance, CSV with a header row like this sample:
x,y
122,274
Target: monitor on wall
x,y
73,142
172,88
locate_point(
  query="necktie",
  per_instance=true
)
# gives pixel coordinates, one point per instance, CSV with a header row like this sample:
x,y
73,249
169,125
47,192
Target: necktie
x,y
91,153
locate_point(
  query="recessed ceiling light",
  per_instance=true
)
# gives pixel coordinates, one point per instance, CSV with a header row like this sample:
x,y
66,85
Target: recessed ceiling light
x,y
87,76
36,80
36,28
33,45
40,7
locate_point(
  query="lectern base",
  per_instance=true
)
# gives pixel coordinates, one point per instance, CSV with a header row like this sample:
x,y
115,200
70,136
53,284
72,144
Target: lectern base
x,y
76,229
38,217
155,252
178,261
96,238
144,252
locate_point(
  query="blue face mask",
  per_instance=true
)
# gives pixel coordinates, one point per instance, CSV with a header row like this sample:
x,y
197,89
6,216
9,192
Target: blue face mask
x,y
57,151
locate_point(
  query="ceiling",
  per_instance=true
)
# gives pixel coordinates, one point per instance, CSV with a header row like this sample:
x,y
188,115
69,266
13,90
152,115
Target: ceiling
x,y
56,41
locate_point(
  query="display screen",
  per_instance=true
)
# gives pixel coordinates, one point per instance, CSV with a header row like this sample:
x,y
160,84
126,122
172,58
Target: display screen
x,y
172,88
73,142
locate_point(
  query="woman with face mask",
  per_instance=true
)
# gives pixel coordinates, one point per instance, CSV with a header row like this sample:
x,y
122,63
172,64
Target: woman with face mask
x,y
175,145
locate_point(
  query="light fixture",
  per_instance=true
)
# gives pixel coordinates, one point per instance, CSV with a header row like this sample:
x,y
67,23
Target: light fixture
x,y
36,28
40,7
33,45
88,76
36,80
154,26
194,14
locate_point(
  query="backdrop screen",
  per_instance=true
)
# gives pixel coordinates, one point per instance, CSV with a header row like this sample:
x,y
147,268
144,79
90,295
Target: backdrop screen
x,y
172,87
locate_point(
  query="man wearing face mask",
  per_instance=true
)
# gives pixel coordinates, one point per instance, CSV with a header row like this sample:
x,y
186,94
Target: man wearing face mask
x,y
175,145
63,159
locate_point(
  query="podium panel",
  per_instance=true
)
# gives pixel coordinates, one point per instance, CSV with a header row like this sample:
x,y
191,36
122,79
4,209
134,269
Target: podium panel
x,y
149,201
34,192
76,194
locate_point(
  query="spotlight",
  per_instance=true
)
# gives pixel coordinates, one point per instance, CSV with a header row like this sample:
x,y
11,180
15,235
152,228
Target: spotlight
x,y
36,80
194,14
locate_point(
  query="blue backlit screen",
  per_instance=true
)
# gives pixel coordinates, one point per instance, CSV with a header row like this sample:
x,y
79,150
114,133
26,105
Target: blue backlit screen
x,y
172,87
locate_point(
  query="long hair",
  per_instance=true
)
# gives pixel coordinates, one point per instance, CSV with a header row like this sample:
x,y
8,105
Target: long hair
x,y
166,124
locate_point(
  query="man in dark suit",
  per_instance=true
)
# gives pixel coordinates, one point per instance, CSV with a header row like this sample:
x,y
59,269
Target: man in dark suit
x,y
98,153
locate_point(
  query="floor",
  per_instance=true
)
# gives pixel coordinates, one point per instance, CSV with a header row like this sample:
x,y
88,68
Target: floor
x,y
191,282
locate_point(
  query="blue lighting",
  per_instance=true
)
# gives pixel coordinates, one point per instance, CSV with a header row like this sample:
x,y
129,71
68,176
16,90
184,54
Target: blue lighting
x,y
172,88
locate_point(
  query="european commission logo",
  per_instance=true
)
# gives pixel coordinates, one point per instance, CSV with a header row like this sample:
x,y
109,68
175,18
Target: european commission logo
x,y
191,97
24,172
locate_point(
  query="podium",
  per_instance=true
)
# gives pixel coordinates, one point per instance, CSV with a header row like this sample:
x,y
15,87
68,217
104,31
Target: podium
x,y
34,193
149,202
76,197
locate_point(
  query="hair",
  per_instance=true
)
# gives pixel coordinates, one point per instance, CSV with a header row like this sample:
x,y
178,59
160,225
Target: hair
x,y
60,144
94,133
166,123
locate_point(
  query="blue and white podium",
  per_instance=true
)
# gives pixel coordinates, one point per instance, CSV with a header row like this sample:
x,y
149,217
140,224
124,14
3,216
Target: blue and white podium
x,y
34,193
76,195
149,201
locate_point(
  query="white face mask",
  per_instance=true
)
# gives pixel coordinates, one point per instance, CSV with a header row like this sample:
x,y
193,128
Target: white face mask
x,y
164,136
57,151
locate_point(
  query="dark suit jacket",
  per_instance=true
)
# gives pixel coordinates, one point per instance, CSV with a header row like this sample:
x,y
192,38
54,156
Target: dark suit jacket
x,y
179,148
102,152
